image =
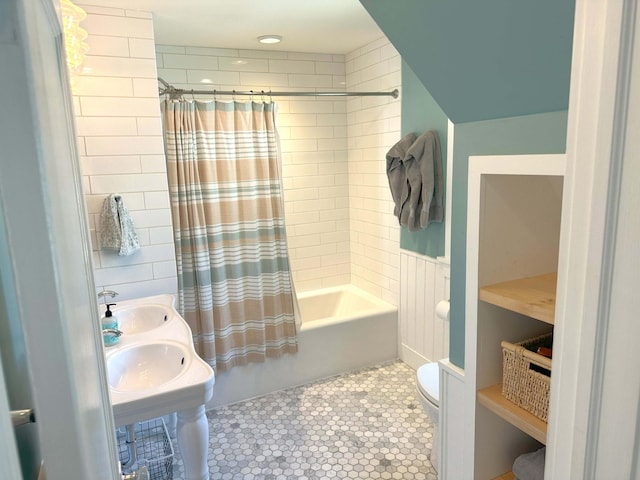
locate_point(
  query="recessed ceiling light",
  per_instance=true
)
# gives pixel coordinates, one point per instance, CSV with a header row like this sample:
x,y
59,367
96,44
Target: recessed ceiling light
x,y
206,80
270,39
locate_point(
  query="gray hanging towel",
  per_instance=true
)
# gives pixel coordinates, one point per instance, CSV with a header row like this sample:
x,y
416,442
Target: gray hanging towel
x,y
423,165
116,226
396,172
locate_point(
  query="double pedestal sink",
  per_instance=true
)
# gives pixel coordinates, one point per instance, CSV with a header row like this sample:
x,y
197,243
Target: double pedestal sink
x,y
154,371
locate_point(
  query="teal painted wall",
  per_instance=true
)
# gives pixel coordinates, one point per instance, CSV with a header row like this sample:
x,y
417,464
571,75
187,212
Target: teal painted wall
x,y
420,113
500,70
540,133
484,59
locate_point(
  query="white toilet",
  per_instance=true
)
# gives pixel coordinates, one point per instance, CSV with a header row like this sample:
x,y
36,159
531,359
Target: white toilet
x,y
428,385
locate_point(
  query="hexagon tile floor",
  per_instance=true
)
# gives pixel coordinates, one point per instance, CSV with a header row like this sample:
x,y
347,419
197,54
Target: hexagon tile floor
x,y
360,425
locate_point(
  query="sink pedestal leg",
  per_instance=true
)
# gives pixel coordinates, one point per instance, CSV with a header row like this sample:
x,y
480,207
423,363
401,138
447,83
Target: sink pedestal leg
x,y
171,421
193,442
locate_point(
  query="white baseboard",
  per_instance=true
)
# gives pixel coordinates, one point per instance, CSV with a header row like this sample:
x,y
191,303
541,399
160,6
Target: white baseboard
x,y
411,357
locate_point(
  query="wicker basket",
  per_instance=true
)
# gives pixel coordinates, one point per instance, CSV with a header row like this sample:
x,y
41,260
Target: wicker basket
x,y
526,376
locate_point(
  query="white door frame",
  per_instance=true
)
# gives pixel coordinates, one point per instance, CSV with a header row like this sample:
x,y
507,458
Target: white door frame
x,y
47,237
8,449
588,333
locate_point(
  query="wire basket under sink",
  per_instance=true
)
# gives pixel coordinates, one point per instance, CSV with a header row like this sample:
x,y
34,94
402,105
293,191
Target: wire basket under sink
x,y
153,449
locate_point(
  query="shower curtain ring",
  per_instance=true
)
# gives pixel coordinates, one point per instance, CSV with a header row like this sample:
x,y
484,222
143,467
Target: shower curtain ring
x,y
215,98
233,95
270,97
262,96
251,96
193,96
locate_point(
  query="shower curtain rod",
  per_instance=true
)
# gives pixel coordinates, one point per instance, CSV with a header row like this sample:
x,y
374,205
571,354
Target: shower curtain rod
x,y
175,93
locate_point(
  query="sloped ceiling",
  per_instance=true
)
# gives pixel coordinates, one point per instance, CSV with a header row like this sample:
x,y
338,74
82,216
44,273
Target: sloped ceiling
x,y
484,59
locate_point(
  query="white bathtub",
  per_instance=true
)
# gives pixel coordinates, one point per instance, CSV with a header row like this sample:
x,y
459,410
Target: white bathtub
x,y
337,305
343,328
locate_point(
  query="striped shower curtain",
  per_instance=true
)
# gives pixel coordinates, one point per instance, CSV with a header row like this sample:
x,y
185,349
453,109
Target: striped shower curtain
x,y
234,283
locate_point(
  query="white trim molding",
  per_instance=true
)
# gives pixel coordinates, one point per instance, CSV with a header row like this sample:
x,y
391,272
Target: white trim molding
x,y
452,421
594,395
448,190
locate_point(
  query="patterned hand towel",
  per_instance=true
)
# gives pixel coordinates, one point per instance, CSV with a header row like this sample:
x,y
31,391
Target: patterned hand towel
x,y
116,227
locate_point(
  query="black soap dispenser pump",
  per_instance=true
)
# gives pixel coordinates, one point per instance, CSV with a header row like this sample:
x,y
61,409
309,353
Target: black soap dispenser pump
x,y
109,320
110,333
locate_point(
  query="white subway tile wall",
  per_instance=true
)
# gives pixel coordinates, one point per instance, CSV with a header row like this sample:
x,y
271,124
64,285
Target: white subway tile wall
x,y
338,208
373,126
120,138
313,135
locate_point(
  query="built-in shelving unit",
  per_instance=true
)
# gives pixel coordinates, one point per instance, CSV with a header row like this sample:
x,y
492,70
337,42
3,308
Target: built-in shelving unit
x,y
534,297
513,231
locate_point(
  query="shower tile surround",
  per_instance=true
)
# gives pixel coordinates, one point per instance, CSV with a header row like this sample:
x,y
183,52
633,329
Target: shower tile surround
x,y
338,207
365,424
373,126
340,225
313,137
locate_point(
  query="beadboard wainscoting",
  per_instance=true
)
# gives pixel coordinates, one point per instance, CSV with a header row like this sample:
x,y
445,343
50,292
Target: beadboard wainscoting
x,y
424,281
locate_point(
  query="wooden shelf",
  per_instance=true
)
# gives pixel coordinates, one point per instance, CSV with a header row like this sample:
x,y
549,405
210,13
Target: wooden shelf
x,y
492,398
506,476
534,297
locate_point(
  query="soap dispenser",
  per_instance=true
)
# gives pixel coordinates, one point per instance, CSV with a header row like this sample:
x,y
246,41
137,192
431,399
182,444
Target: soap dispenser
x,y
109,322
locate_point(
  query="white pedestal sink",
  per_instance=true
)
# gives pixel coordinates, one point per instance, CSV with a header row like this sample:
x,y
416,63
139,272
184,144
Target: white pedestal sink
x,y
154,371
146,366
138,317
